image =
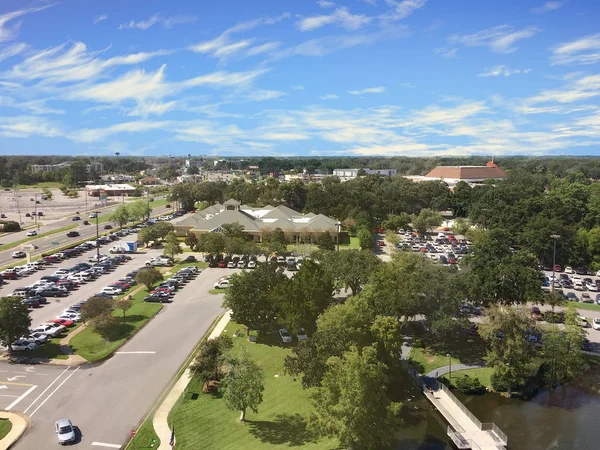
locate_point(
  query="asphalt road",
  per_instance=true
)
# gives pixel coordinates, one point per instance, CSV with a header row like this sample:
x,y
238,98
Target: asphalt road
x,y
46,244
108,400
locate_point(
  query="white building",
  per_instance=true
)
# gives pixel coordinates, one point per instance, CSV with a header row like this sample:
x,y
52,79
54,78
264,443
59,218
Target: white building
x,y
349,174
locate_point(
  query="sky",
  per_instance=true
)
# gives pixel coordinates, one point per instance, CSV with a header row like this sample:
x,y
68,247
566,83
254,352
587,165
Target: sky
x,y
300,77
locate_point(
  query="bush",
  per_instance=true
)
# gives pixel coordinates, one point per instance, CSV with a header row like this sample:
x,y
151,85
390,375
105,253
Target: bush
x,y
11,226
498,384
468,385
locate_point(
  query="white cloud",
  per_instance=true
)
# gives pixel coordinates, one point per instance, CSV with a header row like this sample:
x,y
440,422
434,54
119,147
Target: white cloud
x,y
371,90
298,87
500,39
98,134
547,7
329,97
7,32
12,50
325,4
100,18
341,16
166,22
274,136
585,50
229,50
576,89
445,52
26,126
501,70
33,107
261,95
402,9
263,48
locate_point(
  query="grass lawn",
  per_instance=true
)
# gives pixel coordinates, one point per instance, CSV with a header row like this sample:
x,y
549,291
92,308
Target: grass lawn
x,y
94,347
5,427
40,235
217,291
203,422
42,185
51,349
483,374
352,243
426,361
586,306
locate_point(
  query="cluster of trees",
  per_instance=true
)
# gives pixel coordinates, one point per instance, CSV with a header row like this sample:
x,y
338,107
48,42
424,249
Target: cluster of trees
x,y
156,232
130,212
98,311
14,320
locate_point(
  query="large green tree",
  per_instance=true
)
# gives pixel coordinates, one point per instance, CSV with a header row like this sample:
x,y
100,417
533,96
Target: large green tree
x,y
95,307
244,385
426,220
172,246
211,358
120,215
350,269
14,320
212,243
561,355
149,277
352,405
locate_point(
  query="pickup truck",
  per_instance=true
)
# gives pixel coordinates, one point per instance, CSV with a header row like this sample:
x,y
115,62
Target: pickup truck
x,y
157,262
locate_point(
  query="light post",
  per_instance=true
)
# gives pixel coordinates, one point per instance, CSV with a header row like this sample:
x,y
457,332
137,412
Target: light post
x,y
450,363
338,225
555,237
97,237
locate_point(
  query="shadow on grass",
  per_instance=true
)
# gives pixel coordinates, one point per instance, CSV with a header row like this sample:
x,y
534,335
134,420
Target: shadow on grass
x,y
120,331
287,429
132,318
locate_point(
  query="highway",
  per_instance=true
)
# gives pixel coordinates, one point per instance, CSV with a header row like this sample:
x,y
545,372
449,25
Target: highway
x,y
46,244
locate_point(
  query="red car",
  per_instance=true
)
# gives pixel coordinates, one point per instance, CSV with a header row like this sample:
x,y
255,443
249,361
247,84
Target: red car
x,y
52,258
65,322
380,243
222,263
126,286
451,237
557,268
9,275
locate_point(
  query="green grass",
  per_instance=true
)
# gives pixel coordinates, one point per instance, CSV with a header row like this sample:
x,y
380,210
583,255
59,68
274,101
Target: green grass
x,y
51,349
352,244
181,265
203,421
586,306
42,185
217,291
32,238
427,361
159,202
484,374
94,347
5,427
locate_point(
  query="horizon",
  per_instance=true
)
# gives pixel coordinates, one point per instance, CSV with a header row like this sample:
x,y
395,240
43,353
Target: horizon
x,y
352,78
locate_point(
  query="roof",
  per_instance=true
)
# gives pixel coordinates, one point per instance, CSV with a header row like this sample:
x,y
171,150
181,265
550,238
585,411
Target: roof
x,y
228,216
282,212
467,172
285,225
321,223
233,202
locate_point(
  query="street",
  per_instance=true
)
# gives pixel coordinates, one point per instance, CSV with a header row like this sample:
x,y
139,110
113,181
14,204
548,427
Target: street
x,y
107,400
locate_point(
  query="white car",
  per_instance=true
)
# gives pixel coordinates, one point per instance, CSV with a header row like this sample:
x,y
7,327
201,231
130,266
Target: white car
x,y
20,346
56,326
18,255
61,272
582,322
65,432
591,287
111,290
251,264
301,334
596,324
222,284
569,270
72,317
285,335
578,285
47,329
32,233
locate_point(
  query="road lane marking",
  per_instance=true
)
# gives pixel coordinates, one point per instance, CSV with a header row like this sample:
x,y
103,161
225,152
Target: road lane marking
x,y
44,391
6,395
16,384
54,391
16,377
103,444
25,394
135,353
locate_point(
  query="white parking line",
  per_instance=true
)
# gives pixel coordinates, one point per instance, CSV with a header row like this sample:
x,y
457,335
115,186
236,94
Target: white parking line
x,y
6,395
44,391
25,394
135,353
54,391
103,444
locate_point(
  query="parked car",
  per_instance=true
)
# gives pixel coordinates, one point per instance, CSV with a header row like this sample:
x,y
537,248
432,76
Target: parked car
x,y
285,335
20,346
65,431
596,324
535,313
222,284
583,322
301,334
586,298
158,298
111,290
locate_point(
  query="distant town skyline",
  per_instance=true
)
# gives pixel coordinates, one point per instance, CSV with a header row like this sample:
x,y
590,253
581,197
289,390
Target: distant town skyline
x,y
300,78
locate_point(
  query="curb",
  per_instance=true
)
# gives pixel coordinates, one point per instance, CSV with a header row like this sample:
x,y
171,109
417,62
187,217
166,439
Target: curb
x,y
20,424
159,420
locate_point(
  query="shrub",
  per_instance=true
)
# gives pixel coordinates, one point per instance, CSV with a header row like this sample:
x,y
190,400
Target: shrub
x,y
468,385
11,226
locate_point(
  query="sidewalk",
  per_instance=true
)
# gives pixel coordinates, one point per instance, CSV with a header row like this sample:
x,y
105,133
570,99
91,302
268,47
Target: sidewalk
x,y
20,423
159,421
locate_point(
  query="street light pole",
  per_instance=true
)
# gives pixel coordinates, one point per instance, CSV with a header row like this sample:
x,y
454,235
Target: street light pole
x,y
450,363
97,237
555,237
339,226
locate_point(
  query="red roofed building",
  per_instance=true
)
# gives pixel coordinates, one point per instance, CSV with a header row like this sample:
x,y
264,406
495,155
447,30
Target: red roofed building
x,y
469,174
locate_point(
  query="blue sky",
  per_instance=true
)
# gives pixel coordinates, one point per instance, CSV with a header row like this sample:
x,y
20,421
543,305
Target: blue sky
x,y
297,77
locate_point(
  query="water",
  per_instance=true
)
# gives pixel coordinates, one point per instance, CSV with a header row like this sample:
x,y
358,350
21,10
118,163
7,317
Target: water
x,y
566,419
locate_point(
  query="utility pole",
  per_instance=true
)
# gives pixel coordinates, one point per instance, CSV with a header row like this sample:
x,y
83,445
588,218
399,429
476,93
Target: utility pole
x,y
16,191
97,237
555,237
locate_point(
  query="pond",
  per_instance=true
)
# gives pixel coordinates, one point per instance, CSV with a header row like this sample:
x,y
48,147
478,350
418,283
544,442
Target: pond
x,y
565,419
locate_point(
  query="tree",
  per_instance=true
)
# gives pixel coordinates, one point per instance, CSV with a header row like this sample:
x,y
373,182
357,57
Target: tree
x,y
302,299
392,238
510,353
325,242
212,243
11,226
139,210
124,304
273,242
191,241
244,385
149,277
156,232
461,226
352,404
105,325
396,222
388,339
365,238
426,220
350,269
561,355
233,230
250,297
14,320
172,246
96,307
553,299
121,215
209,362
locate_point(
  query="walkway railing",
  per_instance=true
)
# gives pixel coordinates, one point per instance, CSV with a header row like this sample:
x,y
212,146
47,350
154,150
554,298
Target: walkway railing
x,y
496,431
460,441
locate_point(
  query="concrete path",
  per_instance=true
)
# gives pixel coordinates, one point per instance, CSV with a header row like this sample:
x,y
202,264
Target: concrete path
x,y
159,421
20,423
454,367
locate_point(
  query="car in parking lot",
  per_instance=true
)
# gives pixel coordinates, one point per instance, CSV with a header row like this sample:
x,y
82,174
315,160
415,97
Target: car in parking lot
x,y
586,298
112,290
222,284
22,345
285,335
301,334
65,432
158,297
18,255
535,313
596,324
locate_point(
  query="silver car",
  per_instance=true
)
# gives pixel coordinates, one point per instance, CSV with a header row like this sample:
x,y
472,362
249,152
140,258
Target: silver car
x,y
65,431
